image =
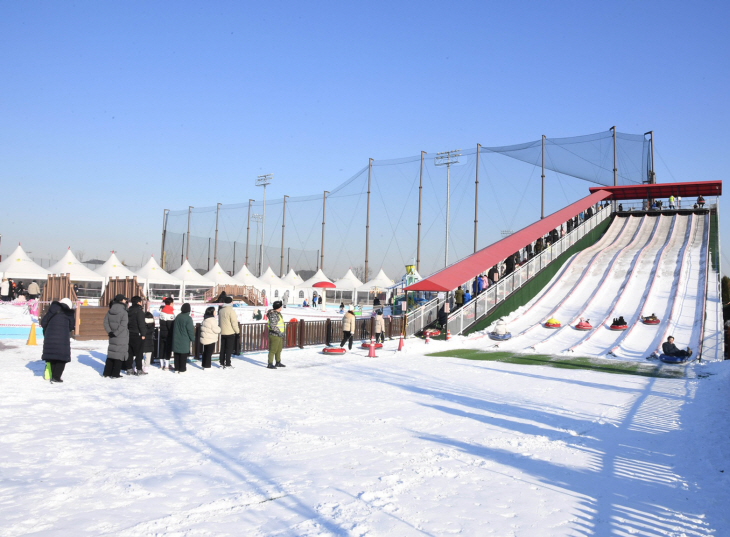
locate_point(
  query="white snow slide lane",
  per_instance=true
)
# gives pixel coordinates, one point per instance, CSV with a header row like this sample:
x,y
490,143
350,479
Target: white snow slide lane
x,y
572,301
524,319
604,298
632,302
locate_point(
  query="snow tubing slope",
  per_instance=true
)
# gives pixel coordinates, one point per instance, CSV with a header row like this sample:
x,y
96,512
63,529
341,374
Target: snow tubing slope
x,y
655,263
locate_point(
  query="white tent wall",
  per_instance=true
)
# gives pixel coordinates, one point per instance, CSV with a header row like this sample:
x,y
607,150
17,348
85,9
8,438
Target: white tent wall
x,y
87,283
20,267
158,284
194,284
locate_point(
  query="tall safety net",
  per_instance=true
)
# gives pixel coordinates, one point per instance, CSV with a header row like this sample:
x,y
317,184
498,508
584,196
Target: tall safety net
x,y
506,198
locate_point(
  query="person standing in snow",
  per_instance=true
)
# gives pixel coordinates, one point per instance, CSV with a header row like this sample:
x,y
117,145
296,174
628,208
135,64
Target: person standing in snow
x,y
459,297
228,323
348,328
285,299
149,340
5,290
209,331
379,327
277,330
137,333
34,290
167,320
116,324
57,324
183,334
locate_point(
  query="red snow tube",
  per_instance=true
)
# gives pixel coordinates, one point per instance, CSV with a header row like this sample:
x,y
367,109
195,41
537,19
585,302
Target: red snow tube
x,y
334,350
432,332
651,321
618,327
366,345
583,325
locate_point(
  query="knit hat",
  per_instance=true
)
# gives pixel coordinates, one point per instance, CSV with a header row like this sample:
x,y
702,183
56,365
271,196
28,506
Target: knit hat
x,y
277,304
67,302
185,308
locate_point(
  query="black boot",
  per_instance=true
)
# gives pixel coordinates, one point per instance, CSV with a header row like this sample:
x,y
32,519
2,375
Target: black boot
x,y
279,364
271,366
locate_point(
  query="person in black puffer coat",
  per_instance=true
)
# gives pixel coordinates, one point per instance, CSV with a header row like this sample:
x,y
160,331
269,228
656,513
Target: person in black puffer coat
x,y
137,332
167,320
116,324
149,339
57,324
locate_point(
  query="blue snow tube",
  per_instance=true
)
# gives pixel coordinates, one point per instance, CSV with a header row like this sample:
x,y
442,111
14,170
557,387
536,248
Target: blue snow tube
x,y
500,337
673,359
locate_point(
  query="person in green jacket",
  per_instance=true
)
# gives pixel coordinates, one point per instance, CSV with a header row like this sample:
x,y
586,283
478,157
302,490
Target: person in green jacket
x,y
183,334
277,329
459,297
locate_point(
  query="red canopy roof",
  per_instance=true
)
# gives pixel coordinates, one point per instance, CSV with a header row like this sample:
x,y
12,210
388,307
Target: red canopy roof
x,y
462,271
662,190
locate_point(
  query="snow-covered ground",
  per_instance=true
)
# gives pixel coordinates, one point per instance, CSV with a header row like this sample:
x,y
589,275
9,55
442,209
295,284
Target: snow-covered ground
x,y
405,444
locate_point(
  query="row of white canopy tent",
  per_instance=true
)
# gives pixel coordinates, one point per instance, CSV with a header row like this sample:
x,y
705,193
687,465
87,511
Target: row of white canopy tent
x,y
187,281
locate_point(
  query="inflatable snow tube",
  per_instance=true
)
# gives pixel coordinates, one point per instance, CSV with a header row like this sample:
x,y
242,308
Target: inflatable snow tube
x,y
650,321
500,337
673,359
583,325
334,350
552,323
432,332
618,327
366,345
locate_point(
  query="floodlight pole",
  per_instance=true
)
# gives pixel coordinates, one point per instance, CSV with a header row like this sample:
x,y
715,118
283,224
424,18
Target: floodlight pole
x,y
476,201
367,219
248,229
324,201
257,218
615,169
215,248
164,236
187,250
444,158
542,195
652,178
283,225
420,195
264,181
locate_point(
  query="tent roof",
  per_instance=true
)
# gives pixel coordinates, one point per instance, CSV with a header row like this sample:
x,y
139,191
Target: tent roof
x,y
152,272
77,271
190,276
662,190
348,282
113,268
269,279
220,276
453,276
19,265
381,280
318,277
292,278
245,277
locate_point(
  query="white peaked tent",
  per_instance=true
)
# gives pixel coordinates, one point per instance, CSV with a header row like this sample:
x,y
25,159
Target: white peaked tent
x,y
158,283
21,267
77,271
381,282
194,284
273,285
244,277
292,278
346,287
308,288
220,276
113,268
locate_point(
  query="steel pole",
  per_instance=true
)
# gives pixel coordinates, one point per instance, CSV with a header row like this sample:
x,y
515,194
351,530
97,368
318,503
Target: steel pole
x,y
263,225
653,173
187,250
283,226
420,195
164,234
234,258
615,169
248,229
476,201
542,195
215,249
324,202
448,201
367,219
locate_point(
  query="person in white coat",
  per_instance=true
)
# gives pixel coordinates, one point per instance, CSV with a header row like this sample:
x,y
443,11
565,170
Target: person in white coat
x,y
209,331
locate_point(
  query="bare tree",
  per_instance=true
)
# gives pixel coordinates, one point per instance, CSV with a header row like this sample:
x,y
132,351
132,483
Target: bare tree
x,y
359,273
81,255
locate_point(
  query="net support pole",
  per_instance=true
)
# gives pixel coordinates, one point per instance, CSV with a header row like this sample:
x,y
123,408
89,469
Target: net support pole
x,y
542,195
283,226
367,220
420,197
248,229
187,249
164,234
234,258
215,248
208,253
324,201
615,169
653,173
476,201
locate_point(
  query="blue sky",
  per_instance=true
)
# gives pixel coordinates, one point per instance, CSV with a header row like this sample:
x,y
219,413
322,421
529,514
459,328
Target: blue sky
x,y
112,111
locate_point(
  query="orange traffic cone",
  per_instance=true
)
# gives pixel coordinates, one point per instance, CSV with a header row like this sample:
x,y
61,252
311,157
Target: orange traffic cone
x,y
371,354
428,336
448,334
31,336
400,343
